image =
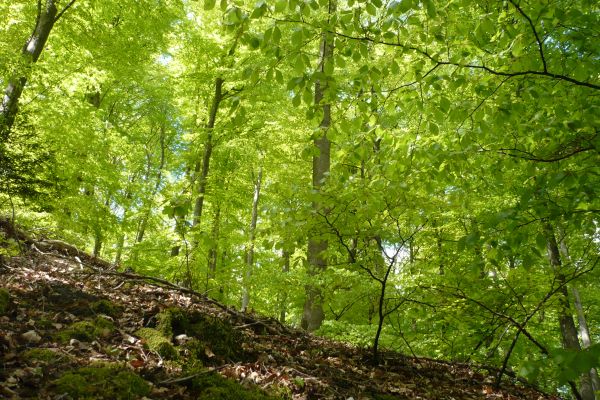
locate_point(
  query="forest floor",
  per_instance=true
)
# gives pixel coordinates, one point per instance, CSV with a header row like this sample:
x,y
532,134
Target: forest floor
x,y
72,327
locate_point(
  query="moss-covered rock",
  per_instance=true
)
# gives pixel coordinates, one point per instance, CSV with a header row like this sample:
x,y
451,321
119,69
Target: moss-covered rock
x,y
212,386
87,331
157,342
4,301
171,321
106,307
102,382
224,341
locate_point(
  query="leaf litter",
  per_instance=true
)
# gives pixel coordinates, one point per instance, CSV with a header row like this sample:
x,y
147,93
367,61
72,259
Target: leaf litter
x,y
69,310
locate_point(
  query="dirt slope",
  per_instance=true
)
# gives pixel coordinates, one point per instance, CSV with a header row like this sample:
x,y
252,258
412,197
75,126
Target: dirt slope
x,y
71,327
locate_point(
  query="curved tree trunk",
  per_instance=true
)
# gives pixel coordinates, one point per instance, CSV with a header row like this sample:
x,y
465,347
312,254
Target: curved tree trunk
x,y
46,18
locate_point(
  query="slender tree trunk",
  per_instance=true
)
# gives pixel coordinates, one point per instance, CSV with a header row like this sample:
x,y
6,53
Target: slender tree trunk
x,y
149,203
98,238
46,18
440,249
213,252
313,314
250,250
584,332
567,324
120,245
283,297
203,168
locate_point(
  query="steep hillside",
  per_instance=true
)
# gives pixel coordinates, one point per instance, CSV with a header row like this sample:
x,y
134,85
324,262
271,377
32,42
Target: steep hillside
x,y
72,327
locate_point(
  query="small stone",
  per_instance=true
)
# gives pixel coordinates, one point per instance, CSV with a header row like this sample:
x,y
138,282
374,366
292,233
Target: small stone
x,y
181,339
31,336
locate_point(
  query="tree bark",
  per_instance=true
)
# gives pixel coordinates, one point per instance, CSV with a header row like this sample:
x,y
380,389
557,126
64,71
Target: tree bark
x,y
9,108
313,314
590,389
283,297
213,252
567,324
203,167
252,238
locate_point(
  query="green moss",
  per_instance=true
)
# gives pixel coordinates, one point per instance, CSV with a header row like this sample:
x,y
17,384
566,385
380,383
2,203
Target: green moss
x,y
158,343
171,321
224,341
87,331
212,386
106,307
4,301
41,355
102,382
9,247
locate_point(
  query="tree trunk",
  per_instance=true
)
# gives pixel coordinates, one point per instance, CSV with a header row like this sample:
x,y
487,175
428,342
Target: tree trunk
x,y
584,332
149,203
567,324
283,297
46,18
120,245
214,248
250,250
203,167
98,238
313,314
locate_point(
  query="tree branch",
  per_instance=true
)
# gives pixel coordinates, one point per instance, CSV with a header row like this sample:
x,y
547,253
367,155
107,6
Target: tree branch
x,y
526,155
60,14
537,38
544,73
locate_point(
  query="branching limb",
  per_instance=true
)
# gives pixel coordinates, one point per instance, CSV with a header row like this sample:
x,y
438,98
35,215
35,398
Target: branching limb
x,y
60,14
537,38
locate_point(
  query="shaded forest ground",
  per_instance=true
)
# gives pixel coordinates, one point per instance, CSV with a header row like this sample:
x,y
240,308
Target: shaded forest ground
x,y
73,327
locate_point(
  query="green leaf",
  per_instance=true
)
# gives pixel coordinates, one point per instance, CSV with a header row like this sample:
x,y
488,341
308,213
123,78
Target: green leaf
x,y
405,5
297,37
307,96
281,6
276,34
371,9
209,4
433,128
540,241
430,5
278,76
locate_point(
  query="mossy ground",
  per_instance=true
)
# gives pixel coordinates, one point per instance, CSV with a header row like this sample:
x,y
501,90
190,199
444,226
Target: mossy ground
x,y
106,307
212,386
157,342
41,355
102,382
87,331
